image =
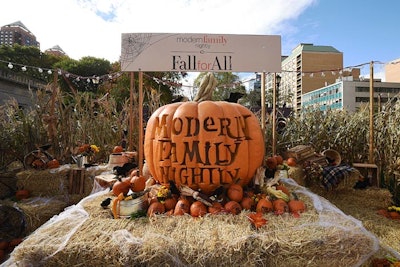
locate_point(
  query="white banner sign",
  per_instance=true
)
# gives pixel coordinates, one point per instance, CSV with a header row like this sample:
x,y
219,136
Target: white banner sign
x,y
200,52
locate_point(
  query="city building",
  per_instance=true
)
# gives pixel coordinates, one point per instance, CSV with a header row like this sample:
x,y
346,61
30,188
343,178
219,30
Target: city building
x,y
349,94
307,68
56,51
17,33
392,71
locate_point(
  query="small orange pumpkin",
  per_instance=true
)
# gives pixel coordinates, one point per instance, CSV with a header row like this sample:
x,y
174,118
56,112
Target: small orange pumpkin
x,y
138,183
170,203
296,205
271,163
291,162
120,187
280,206
22,194
279,159
155,208
118,149
264,205
247,203
53,164
182,206
235,192
198,209
233,207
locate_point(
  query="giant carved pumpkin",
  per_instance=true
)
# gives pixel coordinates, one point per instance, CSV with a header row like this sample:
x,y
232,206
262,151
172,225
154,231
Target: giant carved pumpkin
x,y
203,144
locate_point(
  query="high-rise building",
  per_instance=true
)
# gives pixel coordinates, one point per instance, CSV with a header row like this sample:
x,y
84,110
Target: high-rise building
x,y
17,33
392,71
307,68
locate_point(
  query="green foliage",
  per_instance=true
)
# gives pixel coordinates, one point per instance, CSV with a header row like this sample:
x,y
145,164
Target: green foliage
x,y
28,56
227,83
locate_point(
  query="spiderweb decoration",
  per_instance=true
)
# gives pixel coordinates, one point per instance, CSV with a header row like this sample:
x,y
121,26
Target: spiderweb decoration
x,y
133,45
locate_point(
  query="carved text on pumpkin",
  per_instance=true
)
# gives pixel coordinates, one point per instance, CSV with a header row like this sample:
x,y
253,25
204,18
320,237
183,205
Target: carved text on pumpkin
x,y
236,128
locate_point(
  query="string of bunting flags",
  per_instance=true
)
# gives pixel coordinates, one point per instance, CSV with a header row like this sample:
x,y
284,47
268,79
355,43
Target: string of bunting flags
x,y
96,79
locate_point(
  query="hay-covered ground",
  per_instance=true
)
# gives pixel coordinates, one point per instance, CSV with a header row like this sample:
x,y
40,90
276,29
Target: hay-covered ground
x,y
363,204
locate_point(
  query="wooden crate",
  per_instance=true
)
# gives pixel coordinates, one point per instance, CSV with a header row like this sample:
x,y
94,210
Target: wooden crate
x,y
300,152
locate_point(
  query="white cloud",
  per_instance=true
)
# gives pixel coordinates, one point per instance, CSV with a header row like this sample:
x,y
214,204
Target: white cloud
x,y
94,27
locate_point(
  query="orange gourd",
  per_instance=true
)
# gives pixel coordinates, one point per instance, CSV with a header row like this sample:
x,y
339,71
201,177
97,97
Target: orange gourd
x,y
22,194
120,187
279,159
264,205
138,183
233,207
271,163
155,208
182,206
247,203
280,206
291,162
203,144
118,149
53,164
198,209
170,203
235,192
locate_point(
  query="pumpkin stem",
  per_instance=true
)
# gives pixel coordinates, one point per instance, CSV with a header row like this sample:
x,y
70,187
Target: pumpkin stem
x,y
295,197
207,86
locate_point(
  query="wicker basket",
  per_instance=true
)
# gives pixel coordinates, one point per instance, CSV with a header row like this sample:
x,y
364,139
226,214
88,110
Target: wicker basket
x,y
332,156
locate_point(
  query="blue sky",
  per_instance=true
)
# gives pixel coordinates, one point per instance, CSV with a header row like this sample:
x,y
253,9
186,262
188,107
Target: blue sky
x,y
363,30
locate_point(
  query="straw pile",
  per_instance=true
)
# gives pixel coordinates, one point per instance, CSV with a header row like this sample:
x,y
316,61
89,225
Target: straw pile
x,y
39,210
44,183
86,235
363,205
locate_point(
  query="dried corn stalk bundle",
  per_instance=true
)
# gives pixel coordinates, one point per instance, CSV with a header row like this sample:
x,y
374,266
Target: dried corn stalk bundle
x,y
87,235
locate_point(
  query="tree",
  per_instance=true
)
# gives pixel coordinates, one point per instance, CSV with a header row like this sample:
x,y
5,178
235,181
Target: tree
x,y
227,83
30,57
83,75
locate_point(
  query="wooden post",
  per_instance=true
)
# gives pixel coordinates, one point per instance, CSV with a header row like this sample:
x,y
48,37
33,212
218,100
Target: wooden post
x,y
371,114
131,122
141,128
274,116
263,103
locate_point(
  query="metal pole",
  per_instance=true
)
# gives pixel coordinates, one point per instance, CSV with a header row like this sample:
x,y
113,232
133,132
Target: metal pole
x,y
371,113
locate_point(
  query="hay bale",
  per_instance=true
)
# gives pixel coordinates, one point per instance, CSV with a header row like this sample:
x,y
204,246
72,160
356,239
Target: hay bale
x,y
44,183
87,235
38,210
8,184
